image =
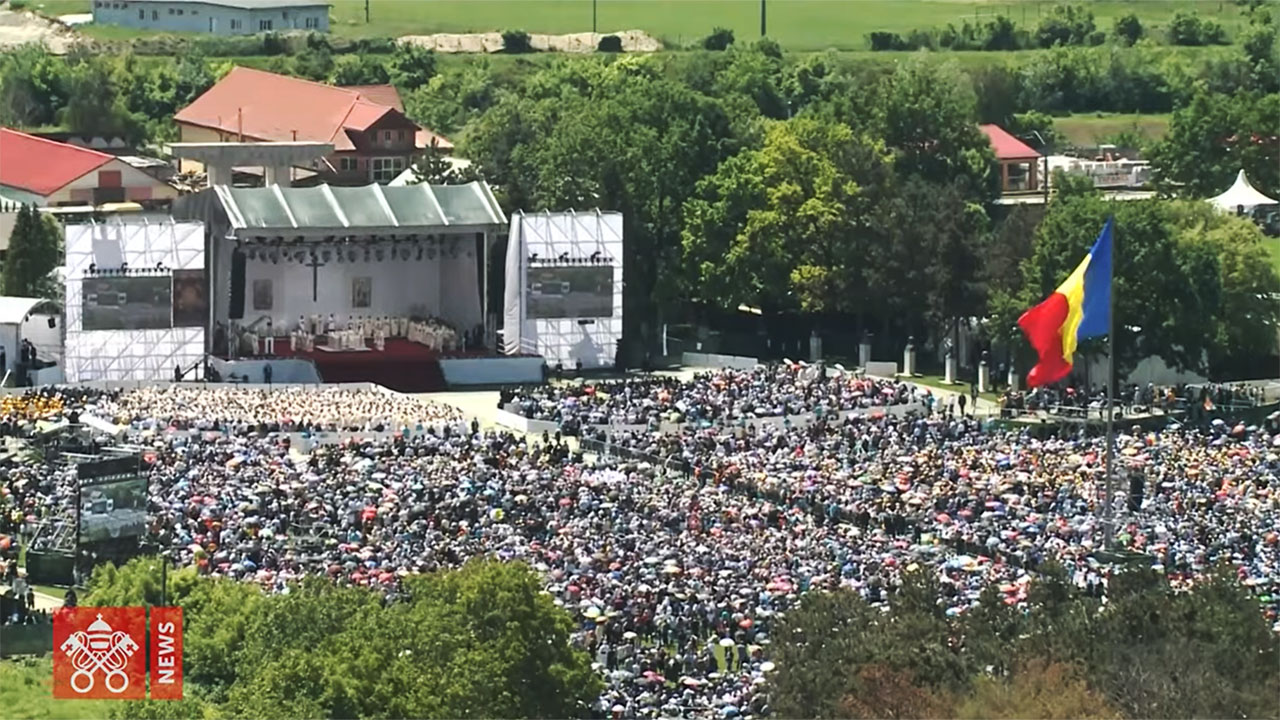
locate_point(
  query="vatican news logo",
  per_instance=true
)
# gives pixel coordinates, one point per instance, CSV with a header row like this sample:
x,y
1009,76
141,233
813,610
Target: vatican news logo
x,y
98,653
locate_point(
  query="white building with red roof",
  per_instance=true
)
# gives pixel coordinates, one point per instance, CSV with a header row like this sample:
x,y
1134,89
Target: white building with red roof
x,y
373,140
50,173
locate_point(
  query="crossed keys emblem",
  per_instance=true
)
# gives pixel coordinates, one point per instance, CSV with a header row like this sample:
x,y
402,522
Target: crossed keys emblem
x,y
100,648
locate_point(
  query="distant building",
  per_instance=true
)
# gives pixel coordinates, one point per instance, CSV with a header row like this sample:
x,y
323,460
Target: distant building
x,y
373,140
49,173
219,17
1019,163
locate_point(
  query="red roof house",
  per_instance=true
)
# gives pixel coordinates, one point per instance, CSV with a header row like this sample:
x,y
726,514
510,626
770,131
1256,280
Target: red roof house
x,y
50,173
372,138
1019,163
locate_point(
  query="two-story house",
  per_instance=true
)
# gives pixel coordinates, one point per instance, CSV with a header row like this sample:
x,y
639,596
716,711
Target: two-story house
x,y
373,140
219,17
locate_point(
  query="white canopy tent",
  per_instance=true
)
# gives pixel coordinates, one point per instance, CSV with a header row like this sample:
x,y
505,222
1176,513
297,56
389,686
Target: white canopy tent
x,y
14,312
1241,194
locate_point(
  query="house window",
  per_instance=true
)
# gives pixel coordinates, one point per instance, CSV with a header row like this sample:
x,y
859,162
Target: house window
x,y
235,24
400,135
142,14
179,11
172,10
347,164
313,23
155,15
386,136
284,15
264,25
386,169
195,12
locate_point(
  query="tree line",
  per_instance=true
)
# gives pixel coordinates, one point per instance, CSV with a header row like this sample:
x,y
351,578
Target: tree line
x,y
814,183
483,641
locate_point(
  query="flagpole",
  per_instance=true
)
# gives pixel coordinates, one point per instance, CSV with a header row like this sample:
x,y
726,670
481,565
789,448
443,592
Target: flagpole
x,y
1108,506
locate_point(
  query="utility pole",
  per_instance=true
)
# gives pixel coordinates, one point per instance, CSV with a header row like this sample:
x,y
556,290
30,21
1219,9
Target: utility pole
x,y
762,19
593,17
366,12
164,579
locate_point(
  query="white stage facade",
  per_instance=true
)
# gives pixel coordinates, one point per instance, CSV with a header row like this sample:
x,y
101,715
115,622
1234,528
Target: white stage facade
x,y
563,294
410,262
136,302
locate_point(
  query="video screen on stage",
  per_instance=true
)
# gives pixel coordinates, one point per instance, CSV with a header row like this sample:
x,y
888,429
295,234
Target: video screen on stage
x,y
570,292
113,500
127,303
190,298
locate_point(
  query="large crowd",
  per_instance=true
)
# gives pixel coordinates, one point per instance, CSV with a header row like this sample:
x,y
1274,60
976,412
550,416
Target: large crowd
x,y
719,396
676,579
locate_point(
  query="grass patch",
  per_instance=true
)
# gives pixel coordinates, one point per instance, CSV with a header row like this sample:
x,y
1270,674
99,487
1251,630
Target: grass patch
x,y
796,24
1273,249
26,693
1088,130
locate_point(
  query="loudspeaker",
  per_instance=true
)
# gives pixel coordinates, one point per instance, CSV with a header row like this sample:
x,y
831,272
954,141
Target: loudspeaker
x,y
237,285
1137,486
52,323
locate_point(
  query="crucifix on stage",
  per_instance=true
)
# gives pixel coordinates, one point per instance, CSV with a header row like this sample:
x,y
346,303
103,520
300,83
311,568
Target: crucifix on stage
x,y
315,266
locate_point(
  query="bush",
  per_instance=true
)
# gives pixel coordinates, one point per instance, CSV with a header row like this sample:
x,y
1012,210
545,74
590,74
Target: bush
x,y
719,39
17,5
1128,28
609,44
375,46
516,42
881,41
1065,25
274,44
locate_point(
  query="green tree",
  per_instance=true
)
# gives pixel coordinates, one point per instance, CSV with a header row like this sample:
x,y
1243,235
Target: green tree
x,y
1128,28
926,112
411,66
35,250
450,100
359,69
1065,25
1216,136
786,226
1036,689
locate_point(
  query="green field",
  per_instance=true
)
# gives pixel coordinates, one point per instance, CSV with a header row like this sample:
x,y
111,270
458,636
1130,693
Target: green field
x,y
26,694
797,24
1087,130
1273,247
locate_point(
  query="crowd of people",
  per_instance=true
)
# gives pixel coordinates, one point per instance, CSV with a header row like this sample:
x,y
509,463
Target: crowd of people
x,y
676,579
719,396
1135,398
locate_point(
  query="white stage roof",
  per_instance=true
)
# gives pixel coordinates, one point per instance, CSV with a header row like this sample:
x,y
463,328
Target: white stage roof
x,y
367,208
13,310
1242,192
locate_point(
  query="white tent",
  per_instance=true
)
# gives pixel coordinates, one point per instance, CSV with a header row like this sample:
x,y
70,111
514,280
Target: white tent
x,y
1241,194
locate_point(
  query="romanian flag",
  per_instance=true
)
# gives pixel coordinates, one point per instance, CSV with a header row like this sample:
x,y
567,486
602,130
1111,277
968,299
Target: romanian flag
x,y
1079,309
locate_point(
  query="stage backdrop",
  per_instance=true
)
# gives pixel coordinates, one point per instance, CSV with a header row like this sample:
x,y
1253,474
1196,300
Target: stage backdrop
x,y
134,327
563,297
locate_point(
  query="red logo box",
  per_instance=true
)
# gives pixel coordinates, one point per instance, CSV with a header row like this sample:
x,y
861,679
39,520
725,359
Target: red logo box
x,y
97,653
166,653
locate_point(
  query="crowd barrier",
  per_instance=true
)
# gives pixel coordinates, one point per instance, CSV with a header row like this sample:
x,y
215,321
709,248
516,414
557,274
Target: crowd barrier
x,y
713,360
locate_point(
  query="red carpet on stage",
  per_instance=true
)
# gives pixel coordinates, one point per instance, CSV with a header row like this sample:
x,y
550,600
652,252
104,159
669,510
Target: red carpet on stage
x,y
404,365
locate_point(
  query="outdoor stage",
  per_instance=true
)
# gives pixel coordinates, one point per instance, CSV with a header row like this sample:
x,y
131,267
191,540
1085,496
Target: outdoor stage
x,y
404,365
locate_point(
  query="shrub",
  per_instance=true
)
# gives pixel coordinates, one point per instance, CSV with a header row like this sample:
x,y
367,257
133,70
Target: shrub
x,y
516,42
17,5
719,39
1184,28
1128,28
375,46
881,41
609,44
274,44
1065,25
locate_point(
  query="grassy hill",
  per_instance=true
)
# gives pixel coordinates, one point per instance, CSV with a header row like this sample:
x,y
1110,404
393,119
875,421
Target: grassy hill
x,y
797,24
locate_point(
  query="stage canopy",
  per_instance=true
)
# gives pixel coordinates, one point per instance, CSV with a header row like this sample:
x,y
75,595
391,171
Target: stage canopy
x,y
1241,194
369,209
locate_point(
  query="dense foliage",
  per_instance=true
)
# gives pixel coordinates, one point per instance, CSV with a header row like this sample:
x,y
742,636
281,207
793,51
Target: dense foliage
x,y
1149,652
482,641
35,249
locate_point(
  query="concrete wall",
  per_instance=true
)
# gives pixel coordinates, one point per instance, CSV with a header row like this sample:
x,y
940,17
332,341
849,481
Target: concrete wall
x,y
712,360
208,18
